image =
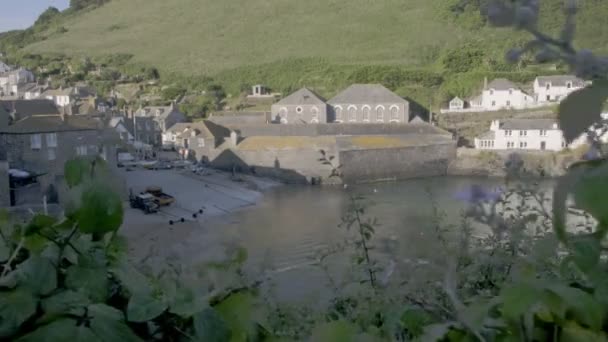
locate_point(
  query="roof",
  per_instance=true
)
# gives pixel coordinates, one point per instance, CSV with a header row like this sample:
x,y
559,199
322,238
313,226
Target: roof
x,y
528,124
58,92
456,99
160,112
52,123
560,80
303,96
488,135
205,127
366,94
30,107
502,84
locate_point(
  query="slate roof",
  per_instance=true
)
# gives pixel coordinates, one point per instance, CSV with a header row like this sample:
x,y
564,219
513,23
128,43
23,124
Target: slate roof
x,y
206,128
303,96
366,94
502,84
52,123
160,112
528,124
30,107
560,80
489,135
59,92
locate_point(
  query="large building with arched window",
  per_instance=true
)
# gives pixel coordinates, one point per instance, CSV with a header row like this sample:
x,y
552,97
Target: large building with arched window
x,y
301,107
368,103
359,103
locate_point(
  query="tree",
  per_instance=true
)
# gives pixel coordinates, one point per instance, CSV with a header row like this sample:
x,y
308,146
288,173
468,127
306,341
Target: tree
x,y
172,93
47,16
463,59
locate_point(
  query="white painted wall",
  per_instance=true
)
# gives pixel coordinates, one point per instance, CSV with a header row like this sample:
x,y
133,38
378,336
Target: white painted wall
x,y
502,99
553,93
522,140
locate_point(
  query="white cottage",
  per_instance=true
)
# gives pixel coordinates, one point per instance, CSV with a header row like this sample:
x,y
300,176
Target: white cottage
x,y
456,103
555,88
504,94
522,134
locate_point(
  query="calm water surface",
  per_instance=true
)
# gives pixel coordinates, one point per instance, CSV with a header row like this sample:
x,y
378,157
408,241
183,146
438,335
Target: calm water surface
x,y
288,228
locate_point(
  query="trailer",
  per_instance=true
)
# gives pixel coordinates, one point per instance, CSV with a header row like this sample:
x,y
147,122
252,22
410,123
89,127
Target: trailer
x,y
161,198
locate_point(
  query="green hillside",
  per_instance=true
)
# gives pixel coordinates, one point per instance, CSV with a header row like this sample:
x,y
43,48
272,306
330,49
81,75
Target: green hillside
x,y
289,43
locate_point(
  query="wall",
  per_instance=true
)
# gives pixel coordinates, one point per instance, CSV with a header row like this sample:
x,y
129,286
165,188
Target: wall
x,y
338,129
346,112
517,99
397,163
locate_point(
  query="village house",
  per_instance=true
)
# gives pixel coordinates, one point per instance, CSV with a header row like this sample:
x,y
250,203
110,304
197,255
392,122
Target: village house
x,y
20,109
9,81
553,89
195,140
41,144
522,134
31,91
153,121
504,94
123,127
368,103
303,106
62,96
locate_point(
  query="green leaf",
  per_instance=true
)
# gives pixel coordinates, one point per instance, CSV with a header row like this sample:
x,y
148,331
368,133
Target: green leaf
x,y
38,223
5,251
93,281
16,307
581,304
186,303
101,210
573,332
61,330
145,308
109,325
38,275
209,326
36,243
336,331
414,321
131,279
436,332
237,311
589,192
586,252
64,302
517,300
581,109
76,171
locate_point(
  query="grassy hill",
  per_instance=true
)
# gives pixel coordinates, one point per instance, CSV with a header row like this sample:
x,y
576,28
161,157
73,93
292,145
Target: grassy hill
x,y
285,44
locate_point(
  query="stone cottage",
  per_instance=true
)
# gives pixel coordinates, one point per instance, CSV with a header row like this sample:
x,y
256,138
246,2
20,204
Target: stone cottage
x,y
153,121
304,106
196,140
368,103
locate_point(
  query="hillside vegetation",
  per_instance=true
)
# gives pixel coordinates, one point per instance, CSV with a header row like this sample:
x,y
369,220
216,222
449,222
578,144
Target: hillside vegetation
x,y
427,50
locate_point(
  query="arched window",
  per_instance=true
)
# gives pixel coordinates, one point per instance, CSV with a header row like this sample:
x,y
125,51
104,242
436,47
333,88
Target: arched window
x,y
314,117
338,113
352,113
299,110
379,113
394,113
366,111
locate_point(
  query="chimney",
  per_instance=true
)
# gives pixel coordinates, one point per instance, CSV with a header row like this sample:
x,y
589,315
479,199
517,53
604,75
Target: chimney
x,y
485,83
234,138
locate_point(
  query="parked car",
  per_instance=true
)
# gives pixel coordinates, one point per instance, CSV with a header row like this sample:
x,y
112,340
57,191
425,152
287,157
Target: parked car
x,y
160,197
145,202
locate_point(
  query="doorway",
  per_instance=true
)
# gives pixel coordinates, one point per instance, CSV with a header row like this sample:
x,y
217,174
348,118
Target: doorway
x,y
543,145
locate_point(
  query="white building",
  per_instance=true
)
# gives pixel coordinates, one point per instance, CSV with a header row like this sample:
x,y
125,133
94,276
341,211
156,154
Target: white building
x,y
504,94
456,104
522,134
62,96
550,89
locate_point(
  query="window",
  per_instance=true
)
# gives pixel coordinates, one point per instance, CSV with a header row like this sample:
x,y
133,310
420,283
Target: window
x,y
201,142
510,144
35,141
548,97
491,91
508,103
523,144
563,144
365,113
508,133
493,103
543,133
548,86
395,114
51,140
510,91
338,114
52,155
299,110
569,85
352,114
81,150
523,133
380,114
315,114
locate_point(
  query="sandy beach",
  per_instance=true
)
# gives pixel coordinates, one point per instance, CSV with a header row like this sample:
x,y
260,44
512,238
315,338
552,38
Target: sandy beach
x,y
163,235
